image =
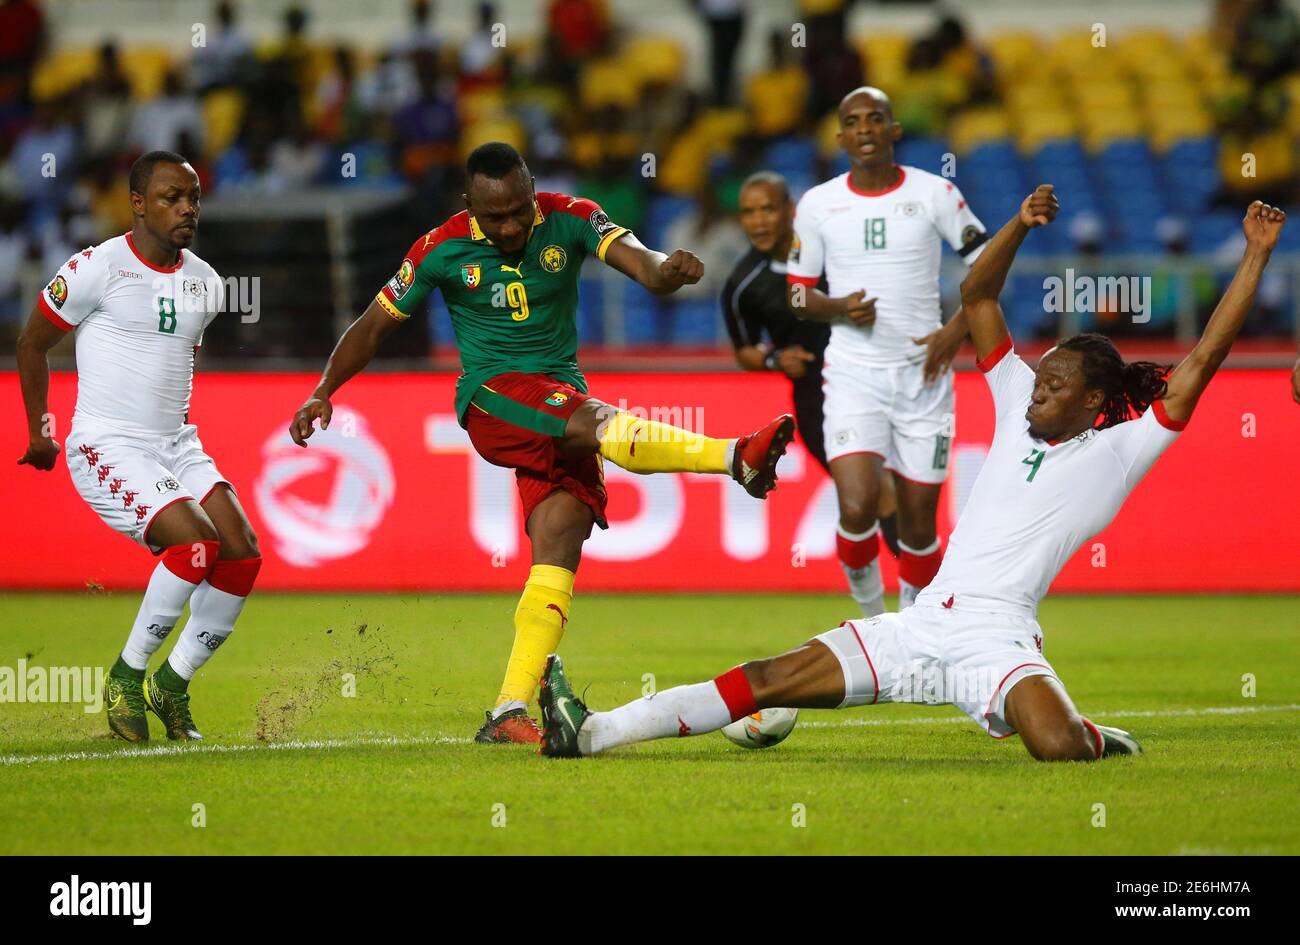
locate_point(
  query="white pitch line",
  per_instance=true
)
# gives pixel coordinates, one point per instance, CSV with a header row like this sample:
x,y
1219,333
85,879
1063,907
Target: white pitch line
x,y
1118,714
292,745
399,740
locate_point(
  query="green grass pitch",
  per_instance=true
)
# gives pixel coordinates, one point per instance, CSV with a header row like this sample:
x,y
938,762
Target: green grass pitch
x,y
292,765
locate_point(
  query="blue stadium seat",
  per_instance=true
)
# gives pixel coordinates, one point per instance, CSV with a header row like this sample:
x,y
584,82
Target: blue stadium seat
x,y
590,316
1212,229
643,317
663,210
1193,152
925,153
695,322
791,156
444,338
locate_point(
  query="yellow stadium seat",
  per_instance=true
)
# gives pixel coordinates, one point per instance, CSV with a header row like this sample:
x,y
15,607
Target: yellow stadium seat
x,y
1134,45
501,129
62,71
882,48
684,169
1100,128
586,149
1165,95
481,104
1036,127
826,135
1274,159
1293,96
1118,96
607,82
721,126
223,113
1199,47
777,100
1012,52
1170,127
817,7
1075,49
654,60
145,67
1160,68
1035,96
977,126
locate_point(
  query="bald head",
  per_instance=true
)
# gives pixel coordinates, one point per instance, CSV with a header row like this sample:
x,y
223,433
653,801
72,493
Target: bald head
x,y
869,96
868,130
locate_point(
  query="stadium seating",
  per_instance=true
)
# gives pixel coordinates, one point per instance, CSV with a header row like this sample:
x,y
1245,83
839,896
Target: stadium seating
x,y
1124,125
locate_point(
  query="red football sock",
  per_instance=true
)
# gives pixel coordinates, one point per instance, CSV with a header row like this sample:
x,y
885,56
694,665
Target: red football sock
x,y
736,692
858,551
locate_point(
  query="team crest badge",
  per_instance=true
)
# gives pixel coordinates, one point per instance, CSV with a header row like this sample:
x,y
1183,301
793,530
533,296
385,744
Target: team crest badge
x,y
58,290
553,258
471,275
558,399
794,248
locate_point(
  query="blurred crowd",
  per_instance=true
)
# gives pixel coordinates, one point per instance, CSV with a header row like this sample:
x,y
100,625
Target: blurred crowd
x,y
596,109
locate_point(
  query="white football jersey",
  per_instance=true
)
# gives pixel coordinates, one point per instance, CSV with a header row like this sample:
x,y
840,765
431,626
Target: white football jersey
x,y
886,243
1035,502
137,327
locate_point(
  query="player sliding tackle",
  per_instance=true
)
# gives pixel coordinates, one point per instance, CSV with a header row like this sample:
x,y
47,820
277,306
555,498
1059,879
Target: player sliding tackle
x,y
508,268
1065,455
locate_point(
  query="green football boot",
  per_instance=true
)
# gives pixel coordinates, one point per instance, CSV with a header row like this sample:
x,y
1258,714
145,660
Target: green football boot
x,y
1116,741
174,710
563,713
128,718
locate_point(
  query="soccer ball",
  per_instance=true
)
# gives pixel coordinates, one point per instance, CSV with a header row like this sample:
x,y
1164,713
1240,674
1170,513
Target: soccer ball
x,y
763,729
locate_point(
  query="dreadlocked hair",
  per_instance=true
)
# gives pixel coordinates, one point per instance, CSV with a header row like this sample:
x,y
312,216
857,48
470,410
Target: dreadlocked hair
x,y
1130,388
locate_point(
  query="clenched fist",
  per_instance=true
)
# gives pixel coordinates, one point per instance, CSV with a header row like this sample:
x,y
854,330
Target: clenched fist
x,y
681,268
1040,207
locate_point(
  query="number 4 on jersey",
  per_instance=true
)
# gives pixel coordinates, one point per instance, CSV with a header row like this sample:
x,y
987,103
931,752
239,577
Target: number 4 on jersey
x,y
1033,461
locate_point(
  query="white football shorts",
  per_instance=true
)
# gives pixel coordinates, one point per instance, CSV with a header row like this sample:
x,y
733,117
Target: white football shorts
x,y
936,656
128,479
892,412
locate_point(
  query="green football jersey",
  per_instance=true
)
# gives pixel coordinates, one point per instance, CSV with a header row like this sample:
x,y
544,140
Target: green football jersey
x,y
508,314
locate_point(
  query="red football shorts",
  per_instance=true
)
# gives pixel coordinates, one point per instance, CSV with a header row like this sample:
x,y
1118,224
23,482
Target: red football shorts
x,y
514,421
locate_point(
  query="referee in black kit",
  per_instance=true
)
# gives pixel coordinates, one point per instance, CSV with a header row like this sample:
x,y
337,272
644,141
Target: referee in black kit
x,y
753,304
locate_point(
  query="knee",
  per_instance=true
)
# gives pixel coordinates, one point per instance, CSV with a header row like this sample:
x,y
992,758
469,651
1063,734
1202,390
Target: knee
x,y
240,546
1067,742
202,529
559,543
858,511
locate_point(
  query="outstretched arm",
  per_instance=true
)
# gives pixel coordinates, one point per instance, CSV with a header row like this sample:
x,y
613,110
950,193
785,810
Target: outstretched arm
x,y
1262,226
353,352
660,274
983,284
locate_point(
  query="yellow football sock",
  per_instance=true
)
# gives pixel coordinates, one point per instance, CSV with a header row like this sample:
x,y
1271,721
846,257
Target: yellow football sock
x,y
539,623
648,446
